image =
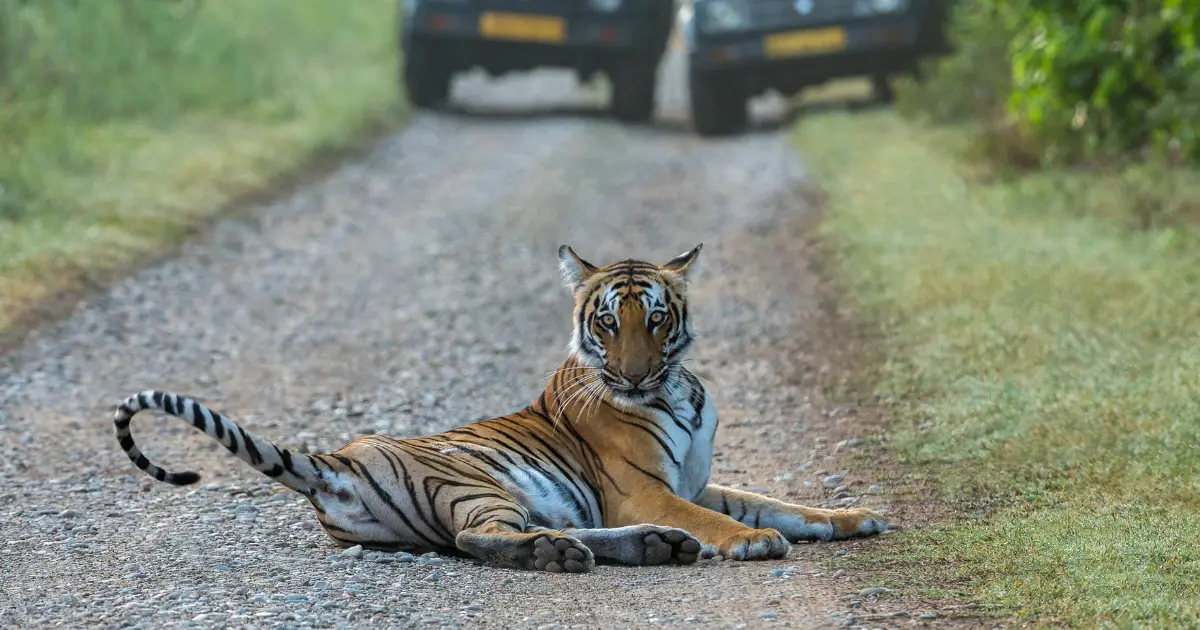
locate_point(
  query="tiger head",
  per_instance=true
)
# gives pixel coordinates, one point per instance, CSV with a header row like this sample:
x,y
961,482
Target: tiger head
x,y
631,321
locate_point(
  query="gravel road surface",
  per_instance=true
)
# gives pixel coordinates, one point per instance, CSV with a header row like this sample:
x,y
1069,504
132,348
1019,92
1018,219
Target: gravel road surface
x,y
408,292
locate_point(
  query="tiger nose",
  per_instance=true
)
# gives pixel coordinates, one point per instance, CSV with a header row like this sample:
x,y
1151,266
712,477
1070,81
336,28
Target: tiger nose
x,y
636,378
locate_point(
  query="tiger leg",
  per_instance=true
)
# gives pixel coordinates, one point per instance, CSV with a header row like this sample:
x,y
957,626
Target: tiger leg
x,y
795,522
718,533
501,539
638,545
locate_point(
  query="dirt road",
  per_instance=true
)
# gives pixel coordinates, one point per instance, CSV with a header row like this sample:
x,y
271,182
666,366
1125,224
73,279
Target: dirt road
x,y
409,292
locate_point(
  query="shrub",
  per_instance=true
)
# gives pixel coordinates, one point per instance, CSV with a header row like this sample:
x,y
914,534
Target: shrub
x,y
1065,80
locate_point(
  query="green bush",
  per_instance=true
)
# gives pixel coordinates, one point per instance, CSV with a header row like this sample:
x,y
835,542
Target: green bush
x,y
975,81
1065,80
1105,77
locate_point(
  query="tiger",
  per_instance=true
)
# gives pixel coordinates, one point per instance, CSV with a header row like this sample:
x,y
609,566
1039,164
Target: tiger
x,y
610,464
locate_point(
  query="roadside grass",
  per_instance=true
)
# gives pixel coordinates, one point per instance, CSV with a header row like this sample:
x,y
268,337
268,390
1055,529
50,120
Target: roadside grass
x,y
1042,357
126,126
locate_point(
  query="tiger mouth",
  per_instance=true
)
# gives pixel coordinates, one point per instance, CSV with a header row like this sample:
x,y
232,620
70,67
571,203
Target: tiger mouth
x,y
638,392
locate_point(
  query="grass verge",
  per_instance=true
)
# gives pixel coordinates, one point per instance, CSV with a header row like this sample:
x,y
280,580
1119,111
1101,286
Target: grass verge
x,y
126,126
1043,358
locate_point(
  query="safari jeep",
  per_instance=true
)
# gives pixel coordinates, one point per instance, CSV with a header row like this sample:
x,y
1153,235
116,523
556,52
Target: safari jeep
x,y
740,48
624,39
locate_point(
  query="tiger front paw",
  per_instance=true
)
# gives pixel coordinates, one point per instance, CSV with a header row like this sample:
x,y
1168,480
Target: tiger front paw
x,y
856,522
560,553
752,544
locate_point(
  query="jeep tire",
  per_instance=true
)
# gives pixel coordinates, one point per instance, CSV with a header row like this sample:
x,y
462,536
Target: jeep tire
x,y
881,89
718,107
633,83
426,80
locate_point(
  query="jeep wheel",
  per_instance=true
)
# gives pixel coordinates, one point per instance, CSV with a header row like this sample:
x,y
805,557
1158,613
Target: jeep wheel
x,y
718,107
426,81
633,82
881,89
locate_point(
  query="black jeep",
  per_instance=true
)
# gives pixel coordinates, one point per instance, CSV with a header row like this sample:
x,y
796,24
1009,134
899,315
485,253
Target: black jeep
x,y
740,48
624,39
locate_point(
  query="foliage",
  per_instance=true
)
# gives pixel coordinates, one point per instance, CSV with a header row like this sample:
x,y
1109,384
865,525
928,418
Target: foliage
x,y
1106,77
1069,80
123,125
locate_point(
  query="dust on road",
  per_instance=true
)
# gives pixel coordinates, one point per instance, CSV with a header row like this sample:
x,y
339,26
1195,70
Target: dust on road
x,y
407,293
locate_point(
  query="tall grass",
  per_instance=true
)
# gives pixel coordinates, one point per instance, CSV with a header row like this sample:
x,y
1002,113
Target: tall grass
x,y
1043,358
125,124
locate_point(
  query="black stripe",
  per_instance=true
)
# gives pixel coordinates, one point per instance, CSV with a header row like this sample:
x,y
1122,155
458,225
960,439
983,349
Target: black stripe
x,y
667,409
160,474
649,474
549,457
666,449
126,442
408,484
168,405
219,425
158,399
274,471
255,457
141,462
198,420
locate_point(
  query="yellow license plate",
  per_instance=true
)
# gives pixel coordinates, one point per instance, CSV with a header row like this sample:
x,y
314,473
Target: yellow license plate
x,y
523,27
810,42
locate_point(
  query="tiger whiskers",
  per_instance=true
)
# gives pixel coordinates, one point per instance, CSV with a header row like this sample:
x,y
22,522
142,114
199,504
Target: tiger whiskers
x,y
596,394
577,387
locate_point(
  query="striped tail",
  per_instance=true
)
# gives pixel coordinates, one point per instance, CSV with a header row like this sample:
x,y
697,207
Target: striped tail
x,y
265,457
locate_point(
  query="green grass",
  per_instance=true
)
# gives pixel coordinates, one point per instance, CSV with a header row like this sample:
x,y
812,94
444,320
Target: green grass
x,y
1042,357
125,125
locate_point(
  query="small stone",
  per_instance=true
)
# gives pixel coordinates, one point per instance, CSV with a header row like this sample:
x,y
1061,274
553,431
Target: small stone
x,y
405,557
874,489
847,444
841,552
786,477
809,484
212,487
70,514
728,469
781,572
874,591
927,616
295,599
718,558
847,501
258,598
768,614
353,552
473,608
832,481
433,576
320,585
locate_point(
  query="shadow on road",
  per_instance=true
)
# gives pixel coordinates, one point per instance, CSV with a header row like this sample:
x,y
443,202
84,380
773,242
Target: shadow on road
x,y
672,122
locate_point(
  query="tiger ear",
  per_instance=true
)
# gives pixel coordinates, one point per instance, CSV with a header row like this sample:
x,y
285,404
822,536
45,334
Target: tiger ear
x,y
575,270
684,263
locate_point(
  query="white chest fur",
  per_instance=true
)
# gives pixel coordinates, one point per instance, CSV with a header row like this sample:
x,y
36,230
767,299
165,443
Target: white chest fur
x,y
697,462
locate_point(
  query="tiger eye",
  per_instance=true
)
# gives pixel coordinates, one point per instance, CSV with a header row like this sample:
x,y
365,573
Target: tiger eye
x,y
608,321
657,317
